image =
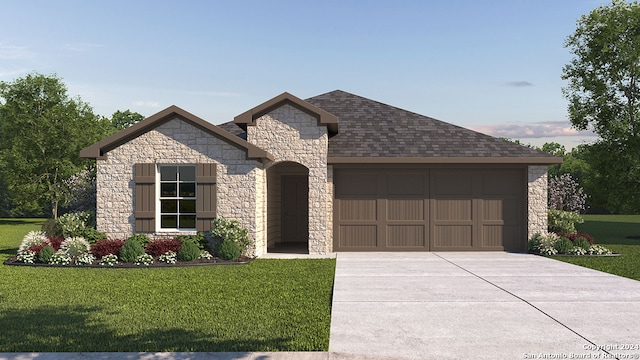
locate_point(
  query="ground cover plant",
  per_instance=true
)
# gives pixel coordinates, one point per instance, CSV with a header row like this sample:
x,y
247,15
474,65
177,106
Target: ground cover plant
x,y
612,231
267,305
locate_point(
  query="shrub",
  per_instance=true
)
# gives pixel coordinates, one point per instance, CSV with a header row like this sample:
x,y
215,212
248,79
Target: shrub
x,y
188,252
199,239
56,242
534,242
92,235
563,245
204,254
45,254
131,250
544,244
228,250
51,228
566,194
574,236
230,230
72,224
162,246
37,248
142,239
582,243
563,222
105,247
75,246
33,238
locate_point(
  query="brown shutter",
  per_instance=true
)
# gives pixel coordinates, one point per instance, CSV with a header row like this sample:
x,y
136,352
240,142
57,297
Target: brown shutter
x,y
205,196
145,197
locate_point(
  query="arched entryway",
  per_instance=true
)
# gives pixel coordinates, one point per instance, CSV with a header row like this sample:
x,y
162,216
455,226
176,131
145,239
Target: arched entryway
x,y
288,208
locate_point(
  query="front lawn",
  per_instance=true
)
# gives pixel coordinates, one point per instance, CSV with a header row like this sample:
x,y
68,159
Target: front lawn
x,y
268,305
612,231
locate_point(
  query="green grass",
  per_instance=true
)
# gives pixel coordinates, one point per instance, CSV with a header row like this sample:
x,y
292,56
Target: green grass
x,y
611,231
268,305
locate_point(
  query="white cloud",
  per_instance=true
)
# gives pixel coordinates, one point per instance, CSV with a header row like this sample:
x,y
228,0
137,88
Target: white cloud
x,y
11,52
542,129
149,104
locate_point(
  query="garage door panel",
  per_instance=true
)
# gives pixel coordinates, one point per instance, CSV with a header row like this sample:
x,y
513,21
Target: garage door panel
x,y
357,210
405,209
453,236
506,211
453,209
405,184
405,236
355,236
356,184
501,183
502,237
458,184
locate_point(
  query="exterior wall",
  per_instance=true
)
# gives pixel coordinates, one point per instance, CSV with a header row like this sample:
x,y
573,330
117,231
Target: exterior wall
x,y
537,197
240,182
290,134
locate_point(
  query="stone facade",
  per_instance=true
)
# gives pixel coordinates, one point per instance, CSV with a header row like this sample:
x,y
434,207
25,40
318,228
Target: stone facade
x,y
290,134
240,182
537,195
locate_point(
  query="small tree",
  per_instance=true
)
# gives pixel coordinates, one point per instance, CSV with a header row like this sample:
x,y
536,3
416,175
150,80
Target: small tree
x,y
566,194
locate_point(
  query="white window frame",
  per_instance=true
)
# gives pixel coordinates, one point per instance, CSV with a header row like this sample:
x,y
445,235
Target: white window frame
x,y
159,199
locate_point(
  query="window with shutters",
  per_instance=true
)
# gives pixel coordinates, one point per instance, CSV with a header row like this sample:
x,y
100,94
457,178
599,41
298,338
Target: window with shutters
x,y
177,197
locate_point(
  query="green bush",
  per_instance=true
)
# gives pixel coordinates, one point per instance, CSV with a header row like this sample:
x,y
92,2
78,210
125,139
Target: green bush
x,y
142,239
45,254
130,251
563,222
563,245
224,230
228,250
582,242
535,241
92,235
200,239
72,224
189,251
51,228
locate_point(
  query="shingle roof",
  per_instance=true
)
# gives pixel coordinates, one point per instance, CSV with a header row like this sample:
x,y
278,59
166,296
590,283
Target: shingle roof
x,y
369,129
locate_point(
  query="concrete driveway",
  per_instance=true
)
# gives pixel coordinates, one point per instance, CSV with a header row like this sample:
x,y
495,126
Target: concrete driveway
x,y
480,306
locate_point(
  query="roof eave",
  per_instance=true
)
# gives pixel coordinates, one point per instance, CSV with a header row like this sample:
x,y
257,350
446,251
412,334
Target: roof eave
x,y
248,118
446,160
98,150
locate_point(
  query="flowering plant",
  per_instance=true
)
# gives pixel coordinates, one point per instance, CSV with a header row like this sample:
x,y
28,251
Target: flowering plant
x,y
144,259
204,254
169,257
566,194
85,259
33,238
27,256
75,246
109,260
598,250
577,250
60,258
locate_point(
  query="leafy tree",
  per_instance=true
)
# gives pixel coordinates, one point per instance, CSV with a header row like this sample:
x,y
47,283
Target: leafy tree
x,y
123,119
604,95
554,148
566,194
42,131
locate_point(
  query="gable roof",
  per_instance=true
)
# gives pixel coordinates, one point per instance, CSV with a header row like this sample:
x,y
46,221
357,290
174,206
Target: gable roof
x,y
324,118
99,149
373,132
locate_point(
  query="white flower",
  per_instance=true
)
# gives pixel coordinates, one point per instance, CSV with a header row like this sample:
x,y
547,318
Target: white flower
x,y
109,260
169,257
144,259
33,238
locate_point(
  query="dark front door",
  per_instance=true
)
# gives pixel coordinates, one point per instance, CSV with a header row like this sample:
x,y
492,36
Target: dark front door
x,y
295,209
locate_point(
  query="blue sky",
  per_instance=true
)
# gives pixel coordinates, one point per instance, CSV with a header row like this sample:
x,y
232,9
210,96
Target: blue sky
x,y
493,65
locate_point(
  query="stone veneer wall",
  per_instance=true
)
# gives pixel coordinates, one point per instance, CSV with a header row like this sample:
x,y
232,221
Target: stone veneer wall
x,y
290,134
537,189
240,182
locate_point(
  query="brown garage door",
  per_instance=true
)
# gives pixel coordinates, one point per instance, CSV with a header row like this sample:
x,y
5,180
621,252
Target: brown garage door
x,y
429,209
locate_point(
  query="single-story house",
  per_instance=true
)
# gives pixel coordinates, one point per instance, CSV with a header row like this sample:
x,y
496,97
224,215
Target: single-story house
x,y
335,172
